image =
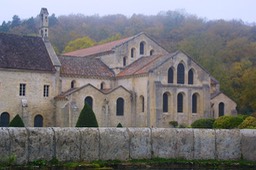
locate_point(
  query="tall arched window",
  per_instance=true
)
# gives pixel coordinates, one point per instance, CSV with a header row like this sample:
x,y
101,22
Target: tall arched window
x,y
170,75
180,102
165,102
102,85
132,52
89,101
120,106
190,77
221,109
124,61
38,121
142,103
142,48
73,83
4,119
194,103
181,74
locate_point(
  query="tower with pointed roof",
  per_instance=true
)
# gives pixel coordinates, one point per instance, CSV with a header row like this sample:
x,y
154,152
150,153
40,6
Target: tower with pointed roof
x,y
44,23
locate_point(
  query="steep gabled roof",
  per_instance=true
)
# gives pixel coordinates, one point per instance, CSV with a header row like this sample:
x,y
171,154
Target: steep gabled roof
x,y
84,67
24,52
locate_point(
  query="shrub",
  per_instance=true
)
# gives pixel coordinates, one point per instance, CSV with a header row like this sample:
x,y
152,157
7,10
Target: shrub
x,y
87,118
248,123
16,122
119,125
203,123
227,122
173,124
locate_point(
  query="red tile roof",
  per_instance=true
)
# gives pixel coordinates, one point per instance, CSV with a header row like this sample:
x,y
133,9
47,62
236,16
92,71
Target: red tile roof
x,y
85,67
98,49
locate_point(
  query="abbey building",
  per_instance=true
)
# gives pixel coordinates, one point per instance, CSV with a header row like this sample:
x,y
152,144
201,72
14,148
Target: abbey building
x,y
132,81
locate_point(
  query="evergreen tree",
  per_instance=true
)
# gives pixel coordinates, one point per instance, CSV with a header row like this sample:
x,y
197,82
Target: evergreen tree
x,y
119,125
16,122
87,118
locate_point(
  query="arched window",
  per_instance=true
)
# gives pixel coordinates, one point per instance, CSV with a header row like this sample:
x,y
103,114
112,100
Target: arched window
x,y
132,52
165,102
180,74
194,103
190,77
120,106
89,101
102,85
221,109
38,121
170,75
142,48
142,103
180,102
73,83
4,119
124,61
151,52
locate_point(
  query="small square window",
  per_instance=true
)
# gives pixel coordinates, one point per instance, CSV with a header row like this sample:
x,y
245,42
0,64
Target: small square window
x,y
46,91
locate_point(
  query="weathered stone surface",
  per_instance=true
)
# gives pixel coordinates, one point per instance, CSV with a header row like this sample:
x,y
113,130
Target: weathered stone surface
x,y
204,144
140,143
185,143
19,144
40,143
68,144
228,144
248,144
164,142
90,139
114,143
5,144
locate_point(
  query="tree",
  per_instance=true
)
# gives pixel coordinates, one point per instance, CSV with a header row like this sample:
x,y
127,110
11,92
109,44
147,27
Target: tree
x,y
119,125
16,122
87,118
79,43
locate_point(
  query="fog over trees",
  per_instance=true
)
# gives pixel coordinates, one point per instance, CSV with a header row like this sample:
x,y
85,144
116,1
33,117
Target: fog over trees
x,y
227,49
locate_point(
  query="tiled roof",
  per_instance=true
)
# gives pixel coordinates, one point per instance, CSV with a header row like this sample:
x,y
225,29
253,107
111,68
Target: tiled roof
x,y
98,49
140,66
24,52
85,67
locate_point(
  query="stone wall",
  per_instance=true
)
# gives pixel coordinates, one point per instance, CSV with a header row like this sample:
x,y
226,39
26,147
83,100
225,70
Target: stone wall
x,y
87,144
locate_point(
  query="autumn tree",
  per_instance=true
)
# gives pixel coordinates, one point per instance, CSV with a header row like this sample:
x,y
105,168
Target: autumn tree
x,y
79,43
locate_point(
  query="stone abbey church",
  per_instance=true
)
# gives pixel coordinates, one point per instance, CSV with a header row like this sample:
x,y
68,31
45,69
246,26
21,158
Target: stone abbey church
x,y
132,81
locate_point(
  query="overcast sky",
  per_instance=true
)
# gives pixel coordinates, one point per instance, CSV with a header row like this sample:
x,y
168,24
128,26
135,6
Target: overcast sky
x,y
209,9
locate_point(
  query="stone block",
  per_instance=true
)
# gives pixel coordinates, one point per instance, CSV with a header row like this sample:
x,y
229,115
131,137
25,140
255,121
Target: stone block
x,y
185,143
228,144
67,143
164,142
140,143
40,144
19,144
90,139
248,144
204,144
5,145
114,144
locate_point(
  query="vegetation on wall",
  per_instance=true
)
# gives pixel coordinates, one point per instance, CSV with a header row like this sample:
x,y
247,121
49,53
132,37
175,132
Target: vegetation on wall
x,y
17,122
203,123
87,117
225,48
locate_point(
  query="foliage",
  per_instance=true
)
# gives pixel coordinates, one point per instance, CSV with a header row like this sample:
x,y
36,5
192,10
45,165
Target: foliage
x,y
119,125
227,122
79,43
87,117
203,123
173,124
248,123
16,122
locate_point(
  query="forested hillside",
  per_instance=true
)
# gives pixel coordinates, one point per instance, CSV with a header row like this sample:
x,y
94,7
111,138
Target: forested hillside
x,y
227,49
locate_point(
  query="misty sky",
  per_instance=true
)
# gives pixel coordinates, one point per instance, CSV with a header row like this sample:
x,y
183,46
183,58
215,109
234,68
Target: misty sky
x,y
209,9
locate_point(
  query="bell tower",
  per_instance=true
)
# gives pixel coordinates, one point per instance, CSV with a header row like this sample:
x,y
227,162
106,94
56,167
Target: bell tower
x,y
44,23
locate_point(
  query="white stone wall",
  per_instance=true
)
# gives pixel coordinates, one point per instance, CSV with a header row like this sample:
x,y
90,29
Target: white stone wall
x,y
88,144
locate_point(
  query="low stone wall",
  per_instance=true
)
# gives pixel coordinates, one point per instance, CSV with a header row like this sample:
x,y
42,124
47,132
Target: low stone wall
x,y
78,144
